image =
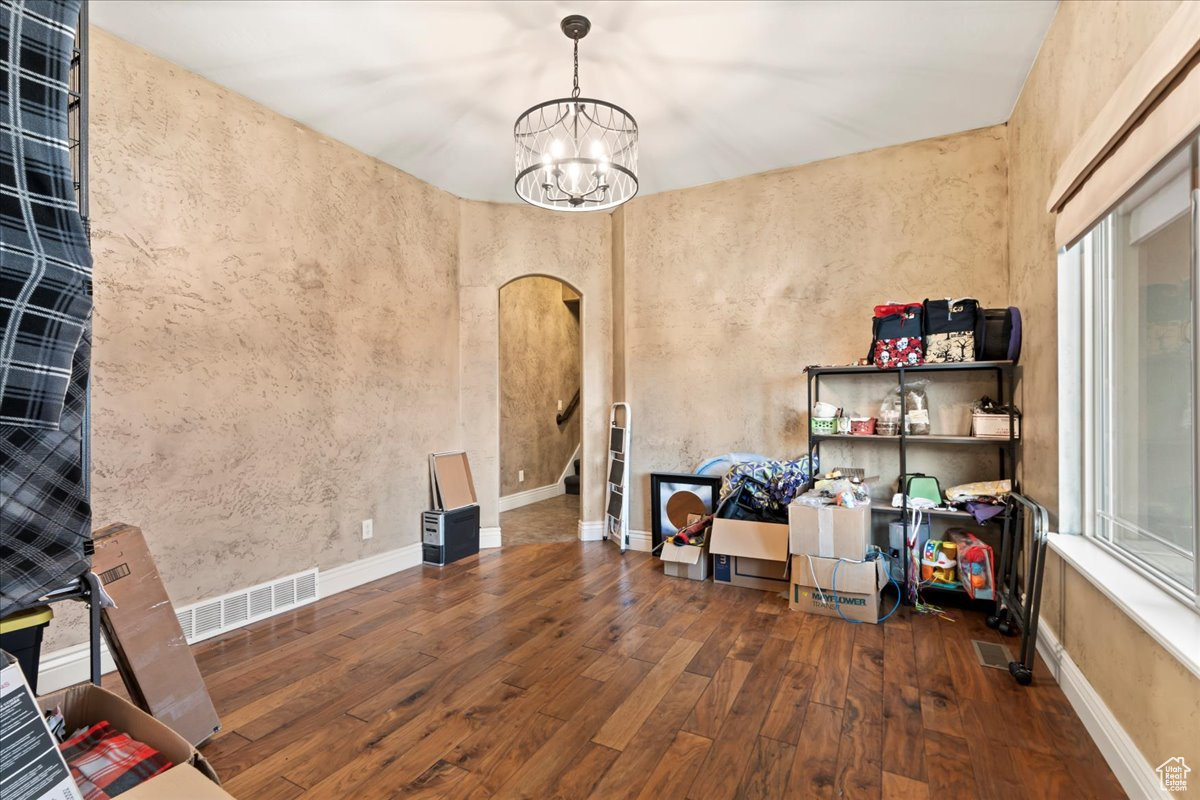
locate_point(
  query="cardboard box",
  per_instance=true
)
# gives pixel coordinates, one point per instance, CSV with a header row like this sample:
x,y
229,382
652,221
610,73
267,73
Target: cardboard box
x,y
750,554
829,531
689,562
144,635
31,766
858,587
191,777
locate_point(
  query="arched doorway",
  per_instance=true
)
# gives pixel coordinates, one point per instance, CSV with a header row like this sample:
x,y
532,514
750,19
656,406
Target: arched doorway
x,y
499,243
540,375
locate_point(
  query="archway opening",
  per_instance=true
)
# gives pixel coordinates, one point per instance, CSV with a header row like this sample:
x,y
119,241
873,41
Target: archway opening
x,y
541,371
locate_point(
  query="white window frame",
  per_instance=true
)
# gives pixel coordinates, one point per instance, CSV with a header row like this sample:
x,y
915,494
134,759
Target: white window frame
x,y
1081,399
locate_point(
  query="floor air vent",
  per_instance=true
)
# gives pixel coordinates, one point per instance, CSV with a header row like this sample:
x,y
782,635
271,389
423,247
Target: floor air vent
x,y
211,617
992,655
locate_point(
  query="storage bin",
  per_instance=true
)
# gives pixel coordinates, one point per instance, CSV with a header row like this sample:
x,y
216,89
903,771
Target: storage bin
x,y
862,426
993,426
21,635
824,427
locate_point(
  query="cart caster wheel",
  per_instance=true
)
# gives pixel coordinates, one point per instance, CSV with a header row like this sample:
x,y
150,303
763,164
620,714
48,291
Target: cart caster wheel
x,y
993,622
1005,628
1023,676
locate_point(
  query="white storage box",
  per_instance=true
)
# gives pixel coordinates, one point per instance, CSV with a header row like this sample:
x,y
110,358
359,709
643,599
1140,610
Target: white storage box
x,y
994,426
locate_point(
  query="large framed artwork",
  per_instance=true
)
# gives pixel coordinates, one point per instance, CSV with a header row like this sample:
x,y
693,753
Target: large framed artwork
x,y
674,496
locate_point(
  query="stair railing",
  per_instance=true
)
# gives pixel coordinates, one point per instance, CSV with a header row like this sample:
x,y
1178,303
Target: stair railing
x,y
564,415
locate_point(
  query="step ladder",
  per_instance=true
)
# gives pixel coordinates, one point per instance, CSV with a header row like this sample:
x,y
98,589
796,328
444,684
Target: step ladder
x,y
616,506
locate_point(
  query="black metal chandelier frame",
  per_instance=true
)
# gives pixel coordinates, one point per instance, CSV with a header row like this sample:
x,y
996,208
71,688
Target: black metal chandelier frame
x,y
570,114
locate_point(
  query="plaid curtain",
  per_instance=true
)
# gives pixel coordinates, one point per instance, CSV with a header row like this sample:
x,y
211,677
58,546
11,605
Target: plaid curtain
x,y
45,310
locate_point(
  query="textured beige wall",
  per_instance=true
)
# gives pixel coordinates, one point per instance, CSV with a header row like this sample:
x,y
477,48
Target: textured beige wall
x,y
276,332
1088,50
497,244
731,289
618,304
539,367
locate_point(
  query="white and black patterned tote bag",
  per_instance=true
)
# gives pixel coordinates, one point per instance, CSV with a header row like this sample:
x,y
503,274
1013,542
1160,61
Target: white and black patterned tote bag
x,y
951,330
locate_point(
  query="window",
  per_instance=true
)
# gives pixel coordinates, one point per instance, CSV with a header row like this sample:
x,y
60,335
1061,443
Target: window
x,y
1138,367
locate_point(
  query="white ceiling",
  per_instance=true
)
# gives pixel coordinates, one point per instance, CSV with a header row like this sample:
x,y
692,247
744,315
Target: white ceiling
x,y
719,89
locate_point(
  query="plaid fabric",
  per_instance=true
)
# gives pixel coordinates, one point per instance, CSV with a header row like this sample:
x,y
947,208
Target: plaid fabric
x,y
45,264
45,516
106,763
45,306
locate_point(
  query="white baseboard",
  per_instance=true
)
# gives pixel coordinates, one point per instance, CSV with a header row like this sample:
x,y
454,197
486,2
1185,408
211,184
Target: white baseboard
x,y
1136,775
69,666
594,532
642,541
591,531
489,537
371,568
509,502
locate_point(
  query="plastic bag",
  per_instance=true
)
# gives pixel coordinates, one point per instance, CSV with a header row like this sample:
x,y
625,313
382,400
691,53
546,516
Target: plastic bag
x,y
916,410
844,492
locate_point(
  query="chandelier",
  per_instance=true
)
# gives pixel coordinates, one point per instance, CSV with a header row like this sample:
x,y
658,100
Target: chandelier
x,y
576,153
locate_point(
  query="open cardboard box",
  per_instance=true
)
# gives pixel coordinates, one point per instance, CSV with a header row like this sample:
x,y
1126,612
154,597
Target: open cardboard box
x,y
750,554
688,561
192,778
858,587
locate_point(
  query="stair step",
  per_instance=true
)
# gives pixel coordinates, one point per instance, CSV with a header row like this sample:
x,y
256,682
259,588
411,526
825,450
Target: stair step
x,y
571,483
577,466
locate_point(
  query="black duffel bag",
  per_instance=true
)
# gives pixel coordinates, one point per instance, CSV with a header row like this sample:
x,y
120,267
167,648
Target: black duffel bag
x,y
1001,335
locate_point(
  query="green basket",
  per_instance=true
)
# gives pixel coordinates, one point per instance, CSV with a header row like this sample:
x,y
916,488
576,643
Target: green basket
x,y
824,427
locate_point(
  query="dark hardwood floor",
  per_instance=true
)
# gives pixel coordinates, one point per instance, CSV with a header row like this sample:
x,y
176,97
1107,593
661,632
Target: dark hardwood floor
x,y
570,671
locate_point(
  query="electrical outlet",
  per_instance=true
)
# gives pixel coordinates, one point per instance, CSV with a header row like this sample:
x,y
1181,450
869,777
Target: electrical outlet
x,y
520,476
560,405
368,528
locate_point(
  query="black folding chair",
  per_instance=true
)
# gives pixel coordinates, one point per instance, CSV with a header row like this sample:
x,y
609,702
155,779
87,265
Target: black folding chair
x,y
1019,573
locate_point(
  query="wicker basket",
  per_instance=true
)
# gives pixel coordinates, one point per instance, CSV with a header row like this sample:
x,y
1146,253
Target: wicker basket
x,y
824,427
862,426
993,426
